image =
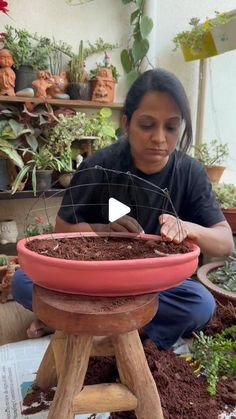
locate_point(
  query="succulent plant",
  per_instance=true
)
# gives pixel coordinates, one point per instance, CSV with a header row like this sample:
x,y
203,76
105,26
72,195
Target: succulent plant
x,y
3,260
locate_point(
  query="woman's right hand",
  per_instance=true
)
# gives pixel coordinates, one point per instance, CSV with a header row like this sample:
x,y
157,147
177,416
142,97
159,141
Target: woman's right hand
x,y
124,224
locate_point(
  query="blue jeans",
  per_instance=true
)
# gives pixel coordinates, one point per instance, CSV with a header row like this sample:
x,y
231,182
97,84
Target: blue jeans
x,y
181,311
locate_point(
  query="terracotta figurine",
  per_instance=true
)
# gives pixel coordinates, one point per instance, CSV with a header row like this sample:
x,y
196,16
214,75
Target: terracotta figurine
x,y
5,284
7,75
43,82
104,86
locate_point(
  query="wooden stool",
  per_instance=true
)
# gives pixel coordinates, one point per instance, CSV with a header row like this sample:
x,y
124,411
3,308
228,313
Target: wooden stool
x,y
78,320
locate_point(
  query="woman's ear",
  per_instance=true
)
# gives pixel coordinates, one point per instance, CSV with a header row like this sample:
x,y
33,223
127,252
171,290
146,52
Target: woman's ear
x,y
124,124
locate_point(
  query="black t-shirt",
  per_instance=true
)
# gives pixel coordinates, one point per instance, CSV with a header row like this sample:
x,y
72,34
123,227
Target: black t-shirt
x,y
110,173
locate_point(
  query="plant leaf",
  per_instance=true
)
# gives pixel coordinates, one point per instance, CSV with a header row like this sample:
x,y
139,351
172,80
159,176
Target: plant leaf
x,y
140,49
32,141
134,15
131,77
146,26
126,61
127,1
22,173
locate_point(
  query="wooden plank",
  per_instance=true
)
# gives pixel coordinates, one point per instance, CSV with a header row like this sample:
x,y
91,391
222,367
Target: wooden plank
x,y
104,398
61,102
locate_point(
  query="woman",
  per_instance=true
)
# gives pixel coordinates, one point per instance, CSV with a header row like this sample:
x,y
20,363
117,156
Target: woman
x,y
157,122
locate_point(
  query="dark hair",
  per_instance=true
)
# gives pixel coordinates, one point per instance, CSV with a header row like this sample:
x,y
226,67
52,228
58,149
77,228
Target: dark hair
x,y
162,81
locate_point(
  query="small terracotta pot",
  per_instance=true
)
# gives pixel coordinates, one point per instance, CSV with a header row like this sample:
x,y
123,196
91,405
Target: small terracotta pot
x,y
230,215
220,294
108,277
215,173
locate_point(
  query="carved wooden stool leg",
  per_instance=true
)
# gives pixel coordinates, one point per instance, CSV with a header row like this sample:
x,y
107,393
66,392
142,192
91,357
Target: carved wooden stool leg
x,y
135,374
47,374
71,377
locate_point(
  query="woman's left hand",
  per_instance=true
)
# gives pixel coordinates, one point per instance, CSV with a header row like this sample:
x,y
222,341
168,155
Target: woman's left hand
x,y
174,229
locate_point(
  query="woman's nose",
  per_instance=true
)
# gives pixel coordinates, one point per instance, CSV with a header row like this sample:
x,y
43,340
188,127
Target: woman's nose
x,y
158,135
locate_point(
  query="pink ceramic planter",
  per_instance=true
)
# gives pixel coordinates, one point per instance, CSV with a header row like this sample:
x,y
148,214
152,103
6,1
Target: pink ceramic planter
x,y
107,278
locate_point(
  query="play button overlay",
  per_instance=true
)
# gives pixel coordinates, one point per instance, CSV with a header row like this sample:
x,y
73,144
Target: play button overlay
x,y
116,209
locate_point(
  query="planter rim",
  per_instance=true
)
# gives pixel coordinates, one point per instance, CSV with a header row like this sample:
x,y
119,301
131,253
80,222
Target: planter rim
x,y
105,264
202,273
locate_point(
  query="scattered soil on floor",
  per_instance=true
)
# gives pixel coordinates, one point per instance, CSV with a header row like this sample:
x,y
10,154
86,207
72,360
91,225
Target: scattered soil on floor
x,y
100,248
183,395
225,316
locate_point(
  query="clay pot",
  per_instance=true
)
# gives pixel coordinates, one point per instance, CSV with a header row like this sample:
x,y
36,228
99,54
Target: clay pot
x,y
107,278
79,91
65,178
230,215
223,296
215,173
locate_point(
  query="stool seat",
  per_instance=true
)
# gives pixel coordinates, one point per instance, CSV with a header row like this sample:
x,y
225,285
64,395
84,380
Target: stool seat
x,y
85,315
78,321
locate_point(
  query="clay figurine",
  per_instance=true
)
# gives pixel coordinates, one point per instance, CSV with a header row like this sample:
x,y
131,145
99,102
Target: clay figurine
x,y
43,82
7,75
5,284
59,84
104,85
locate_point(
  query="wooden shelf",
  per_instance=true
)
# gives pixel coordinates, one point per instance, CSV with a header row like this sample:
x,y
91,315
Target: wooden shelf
x,y
61,102
29,194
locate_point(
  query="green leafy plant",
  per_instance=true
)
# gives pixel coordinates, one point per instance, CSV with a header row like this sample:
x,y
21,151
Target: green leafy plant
x,y
77,73
94,72
42,159
3,260
71,128
24,51
39,226
212,153
225,195
216,355
225,277
132,57
193,38
10,134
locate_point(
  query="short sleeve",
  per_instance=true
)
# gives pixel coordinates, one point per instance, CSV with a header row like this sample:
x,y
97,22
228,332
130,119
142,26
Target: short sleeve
x,y
201,206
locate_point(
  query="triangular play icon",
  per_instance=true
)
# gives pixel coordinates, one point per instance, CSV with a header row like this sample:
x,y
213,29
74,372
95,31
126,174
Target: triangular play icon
x,y
116,209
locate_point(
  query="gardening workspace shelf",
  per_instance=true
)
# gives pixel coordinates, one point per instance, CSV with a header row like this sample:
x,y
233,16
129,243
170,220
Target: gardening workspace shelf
x,y
61,102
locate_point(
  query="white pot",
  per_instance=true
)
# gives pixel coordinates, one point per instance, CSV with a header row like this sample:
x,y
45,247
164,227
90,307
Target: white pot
x,y
8,231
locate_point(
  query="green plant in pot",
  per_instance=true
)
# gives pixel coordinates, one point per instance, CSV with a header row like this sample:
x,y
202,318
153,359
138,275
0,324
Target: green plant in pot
x,y
79,86
39,168
28,55
212,155
198,42
226,196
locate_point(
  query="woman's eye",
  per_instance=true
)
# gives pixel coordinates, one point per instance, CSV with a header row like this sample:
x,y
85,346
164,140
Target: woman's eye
x,y
172,129
146,126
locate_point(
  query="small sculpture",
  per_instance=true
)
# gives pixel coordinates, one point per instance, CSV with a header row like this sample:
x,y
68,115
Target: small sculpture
x,y
7,75
60,83
43,82
5,284
104,85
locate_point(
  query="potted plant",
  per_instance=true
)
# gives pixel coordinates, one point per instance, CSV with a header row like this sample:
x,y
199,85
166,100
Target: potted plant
x,y
90,254
226,196
212,155
220,278
28,55
79,86
103,79
209,38
40,168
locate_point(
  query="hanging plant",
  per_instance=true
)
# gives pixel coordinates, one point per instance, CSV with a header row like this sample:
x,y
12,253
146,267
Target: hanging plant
x,y
132,57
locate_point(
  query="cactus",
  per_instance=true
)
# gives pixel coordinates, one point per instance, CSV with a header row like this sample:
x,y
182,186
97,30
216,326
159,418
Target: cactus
x,y
3,260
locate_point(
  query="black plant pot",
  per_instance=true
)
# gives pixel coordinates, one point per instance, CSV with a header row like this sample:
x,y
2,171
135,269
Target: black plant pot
x,y
79,91
4,176
24,77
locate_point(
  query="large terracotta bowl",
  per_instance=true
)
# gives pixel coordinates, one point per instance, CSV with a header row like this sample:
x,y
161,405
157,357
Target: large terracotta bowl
x,y
107,278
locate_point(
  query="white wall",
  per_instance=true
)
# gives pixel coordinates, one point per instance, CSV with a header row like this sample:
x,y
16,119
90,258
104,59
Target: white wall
x,y
109,19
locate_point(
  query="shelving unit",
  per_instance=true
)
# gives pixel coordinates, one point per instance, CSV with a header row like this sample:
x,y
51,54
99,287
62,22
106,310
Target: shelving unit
x,y
61,102
29,194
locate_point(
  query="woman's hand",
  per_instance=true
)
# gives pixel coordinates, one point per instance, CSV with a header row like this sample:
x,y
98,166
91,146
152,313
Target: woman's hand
x,y
174,229
125,224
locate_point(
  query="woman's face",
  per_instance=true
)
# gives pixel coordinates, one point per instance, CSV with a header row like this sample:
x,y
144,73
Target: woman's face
x,y
153,131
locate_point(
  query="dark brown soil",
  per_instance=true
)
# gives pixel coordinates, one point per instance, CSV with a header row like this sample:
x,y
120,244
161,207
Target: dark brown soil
x,y
100,248
183,395
225,316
